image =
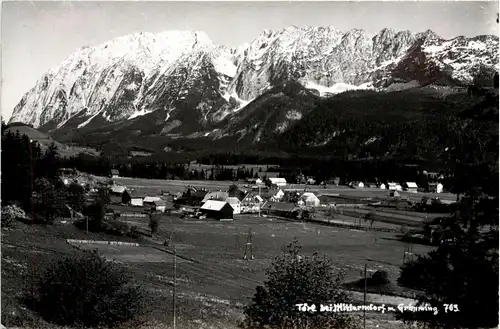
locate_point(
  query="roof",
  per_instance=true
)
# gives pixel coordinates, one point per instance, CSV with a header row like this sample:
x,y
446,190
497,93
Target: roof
x,y
233,200
283,206
213,205
135,194
115,171
159,203
218,195
411,184
118,189
309,196
151,198
276,180
199,194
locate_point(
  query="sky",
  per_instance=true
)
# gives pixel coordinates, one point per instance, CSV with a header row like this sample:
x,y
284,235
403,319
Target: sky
x,y
38,35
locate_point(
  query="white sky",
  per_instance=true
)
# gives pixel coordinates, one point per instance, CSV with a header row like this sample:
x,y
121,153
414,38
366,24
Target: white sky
x,y
38,35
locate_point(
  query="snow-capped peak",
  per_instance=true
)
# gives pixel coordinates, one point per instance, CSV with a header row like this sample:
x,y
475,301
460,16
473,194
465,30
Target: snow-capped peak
x,y
141,73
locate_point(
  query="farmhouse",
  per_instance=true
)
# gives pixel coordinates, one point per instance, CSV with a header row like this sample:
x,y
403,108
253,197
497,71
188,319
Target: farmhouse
x,y
282,209
133,198
276,182
235,203
251,203
115,173
220,210
310,199
411,187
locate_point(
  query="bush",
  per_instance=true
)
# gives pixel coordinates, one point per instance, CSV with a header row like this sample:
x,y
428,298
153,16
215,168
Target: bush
x,y
295,279
10,214
88,290
379,278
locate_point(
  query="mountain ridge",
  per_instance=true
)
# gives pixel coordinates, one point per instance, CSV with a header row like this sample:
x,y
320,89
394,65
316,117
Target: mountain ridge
x,y
181,83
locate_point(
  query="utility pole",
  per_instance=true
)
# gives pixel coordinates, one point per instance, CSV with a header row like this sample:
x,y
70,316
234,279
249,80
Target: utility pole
x,y
364,303
248,247
32,219
175,284
175,273
259,201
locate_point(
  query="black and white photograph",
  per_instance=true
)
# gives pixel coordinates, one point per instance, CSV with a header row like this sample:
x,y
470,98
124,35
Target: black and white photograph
x,y
249,164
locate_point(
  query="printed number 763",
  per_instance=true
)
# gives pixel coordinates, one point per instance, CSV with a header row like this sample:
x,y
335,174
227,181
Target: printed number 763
x,y
451,308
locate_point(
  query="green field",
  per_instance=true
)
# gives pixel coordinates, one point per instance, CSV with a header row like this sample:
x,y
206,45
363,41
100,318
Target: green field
x,y
214,282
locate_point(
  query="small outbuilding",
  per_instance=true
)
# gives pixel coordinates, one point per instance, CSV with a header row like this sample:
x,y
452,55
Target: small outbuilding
x,y
115,173
411,187
219,210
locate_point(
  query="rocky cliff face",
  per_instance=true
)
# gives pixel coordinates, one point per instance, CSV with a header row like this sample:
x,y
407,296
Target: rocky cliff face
x,y
181,83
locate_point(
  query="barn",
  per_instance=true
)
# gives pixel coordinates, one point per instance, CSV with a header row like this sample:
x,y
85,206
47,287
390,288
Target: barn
x,y
219,210
133,198
276,182
282,209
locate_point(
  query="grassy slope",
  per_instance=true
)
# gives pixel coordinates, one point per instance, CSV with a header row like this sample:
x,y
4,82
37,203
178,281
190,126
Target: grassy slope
x,y
214,288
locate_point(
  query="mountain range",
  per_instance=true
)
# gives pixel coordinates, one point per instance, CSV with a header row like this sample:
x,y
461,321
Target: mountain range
x,y
180,85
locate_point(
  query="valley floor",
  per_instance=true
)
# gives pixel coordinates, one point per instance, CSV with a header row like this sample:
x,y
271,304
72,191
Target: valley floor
x,y
214,282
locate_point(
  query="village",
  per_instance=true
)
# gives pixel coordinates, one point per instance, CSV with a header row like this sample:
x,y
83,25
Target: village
x,y
269,196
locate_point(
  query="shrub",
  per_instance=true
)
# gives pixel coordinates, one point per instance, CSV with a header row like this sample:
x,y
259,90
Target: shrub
x,y
295,279
12,213
87,290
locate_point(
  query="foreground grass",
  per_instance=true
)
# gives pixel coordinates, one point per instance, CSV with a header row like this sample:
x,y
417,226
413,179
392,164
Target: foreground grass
x,y
212,288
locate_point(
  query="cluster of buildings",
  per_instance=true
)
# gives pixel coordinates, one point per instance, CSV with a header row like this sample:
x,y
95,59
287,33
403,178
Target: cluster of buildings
x,y
121,195
411,187
266,196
